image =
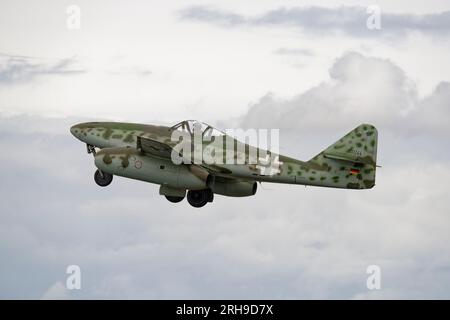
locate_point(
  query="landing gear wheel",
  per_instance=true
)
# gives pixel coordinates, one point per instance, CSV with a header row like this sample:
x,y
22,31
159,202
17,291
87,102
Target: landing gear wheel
x,y
210,195
197,198
174,199
103,179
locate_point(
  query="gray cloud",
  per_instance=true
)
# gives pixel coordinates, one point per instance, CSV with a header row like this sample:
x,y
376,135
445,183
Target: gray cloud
x,y
345,19
20,69
211,15
286,242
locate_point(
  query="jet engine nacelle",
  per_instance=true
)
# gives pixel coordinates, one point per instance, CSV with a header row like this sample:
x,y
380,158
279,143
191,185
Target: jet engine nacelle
x,y
132,163
232,188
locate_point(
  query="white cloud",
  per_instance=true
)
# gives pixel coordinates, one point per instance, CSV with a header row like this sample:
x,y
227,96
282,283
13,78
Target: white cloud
x,y
360,89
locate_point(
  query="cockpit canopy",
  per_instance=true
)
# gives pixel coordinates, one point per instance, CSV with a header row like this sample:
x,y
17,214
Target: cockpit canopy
x,y
189,126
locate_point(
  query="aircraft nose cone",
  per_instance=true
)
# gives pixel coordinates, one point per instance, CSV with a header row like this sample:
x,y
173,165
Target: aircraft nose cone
x,y
75,131
72,130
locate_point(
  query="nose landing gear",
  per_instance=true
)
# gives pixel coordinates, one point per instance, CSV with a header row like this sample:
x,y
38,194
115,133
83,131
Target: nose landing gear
x,y
103,179
91,149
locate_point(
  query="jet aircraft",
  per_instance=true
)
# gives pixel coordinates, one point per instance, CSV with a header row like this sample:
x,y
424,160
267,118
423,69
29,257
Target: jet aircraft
x,y
148,153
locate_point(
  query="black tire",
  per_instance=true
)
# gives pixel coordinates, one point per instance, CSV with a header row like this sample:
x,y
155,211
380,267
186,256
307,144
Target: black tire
x,y
197,198
104,180
174,199
210,195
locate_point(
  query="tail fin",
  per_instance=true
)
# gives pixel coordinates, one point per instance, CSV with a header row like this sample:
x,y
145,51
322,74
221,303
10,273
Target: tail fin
x,y
352,160
359,145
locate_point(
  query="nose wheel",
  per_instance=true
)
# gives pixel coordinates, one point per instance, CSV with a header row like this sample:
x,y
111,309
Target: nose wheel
x,y
103,179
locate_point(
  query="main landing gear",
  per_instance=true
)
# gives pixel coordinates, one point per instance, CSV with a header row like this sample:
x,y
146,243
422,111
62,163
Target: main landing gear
x,y
198,198
174,199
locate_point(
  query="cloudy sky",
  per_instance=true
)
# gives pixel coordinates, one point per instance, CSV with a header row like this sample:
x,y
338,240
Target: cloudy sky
x,y
312,69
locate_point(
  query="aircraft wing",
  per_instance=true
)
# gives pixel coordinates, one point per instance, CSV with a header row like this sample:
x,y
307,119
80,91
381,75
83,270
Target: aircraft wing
x,y
154,148
215,169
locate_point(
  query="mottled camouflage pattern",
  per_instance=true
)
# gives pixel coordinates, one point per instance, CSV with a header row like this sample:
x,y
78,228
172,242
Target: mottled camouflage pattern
x,y
348,163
